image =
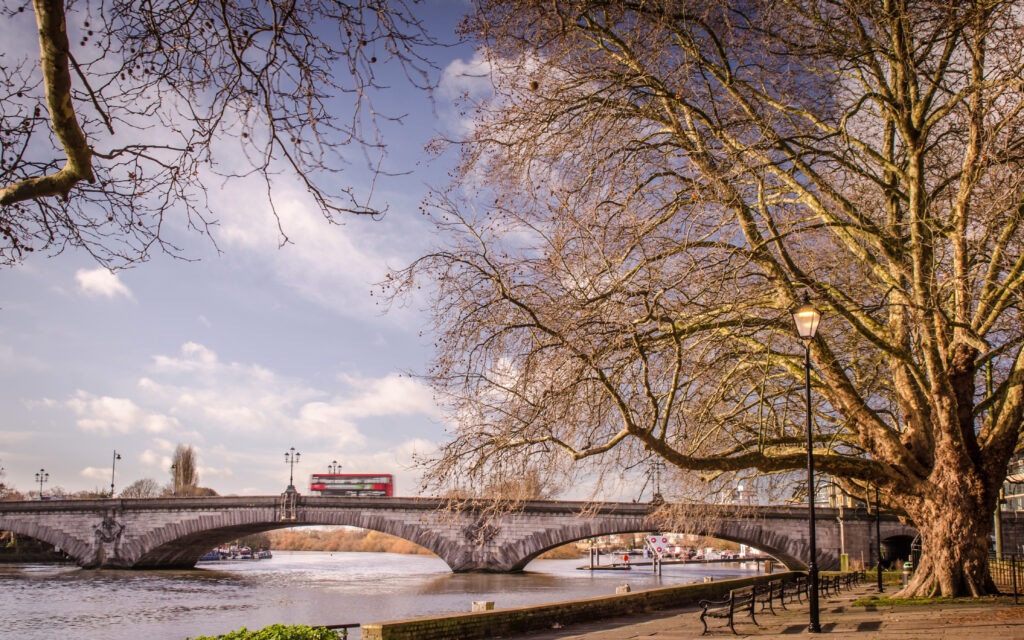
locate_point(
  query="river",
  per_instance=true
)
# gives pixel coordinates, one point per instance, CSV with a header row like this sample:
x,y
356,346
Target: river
x,y
308,587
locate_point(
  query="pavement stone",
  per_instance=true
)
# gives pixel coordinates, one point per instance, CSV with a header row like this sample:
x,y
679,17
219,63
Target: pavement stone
x,y
840,620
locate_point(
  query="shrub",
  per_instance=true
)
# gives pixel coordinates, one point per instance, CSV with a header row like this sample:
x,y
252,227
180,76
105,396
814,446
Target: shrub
x,y
281,632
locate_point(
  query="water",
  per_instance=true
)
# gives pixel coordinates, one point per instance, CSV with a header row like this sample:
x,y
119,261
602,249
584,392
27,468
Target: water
x,y
298,587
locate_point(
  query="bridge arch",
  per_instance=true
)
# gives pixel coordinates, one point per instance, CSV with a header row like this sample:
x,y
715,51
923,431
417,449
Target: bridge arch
x,y
70,544
181,544
778,547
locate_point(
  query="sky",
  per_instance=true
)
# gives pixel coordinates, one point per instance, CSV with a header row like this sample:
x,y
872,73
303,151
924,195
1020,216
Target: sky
x,y
241,353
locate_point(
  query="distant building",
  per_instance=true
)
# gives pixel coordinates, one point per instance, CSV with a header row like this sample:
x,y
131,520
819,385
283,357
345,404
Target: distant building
x,y
827,493
1013,487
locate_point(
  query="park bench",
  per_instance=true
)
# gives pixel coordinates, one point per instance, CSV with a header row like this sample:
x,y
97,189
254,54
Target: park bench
x,y
768,594
828,586
739,601
795,589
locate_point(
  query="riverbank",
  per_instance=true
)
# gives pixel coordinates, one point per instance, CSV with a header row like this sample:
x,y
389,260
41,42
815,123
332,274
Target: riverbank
x,y
365,541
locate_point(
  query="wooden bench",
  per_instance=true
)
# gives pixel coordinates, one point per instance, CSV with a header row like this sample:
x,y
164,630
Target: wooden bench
x,y
739,601
851,579
795,589
768,594
828,586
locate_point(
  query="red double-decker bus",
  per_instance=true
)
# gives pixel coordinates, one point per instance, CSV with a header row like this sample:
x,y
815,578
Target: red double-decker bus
x,y
352,484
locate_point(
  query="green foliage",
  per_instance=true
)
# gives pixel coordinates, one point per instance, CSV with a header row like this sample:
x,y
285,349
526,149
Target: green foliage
x,y
281,632
891,601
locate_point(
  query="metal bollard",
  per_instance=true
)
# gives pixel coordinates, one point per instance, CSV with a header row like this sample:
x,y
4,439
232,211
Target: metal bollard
x,y
908,568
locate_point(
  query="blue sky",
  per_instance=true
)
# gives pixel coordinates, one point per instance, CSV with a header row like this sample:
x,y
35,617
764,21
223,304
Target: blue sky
x,y
242,354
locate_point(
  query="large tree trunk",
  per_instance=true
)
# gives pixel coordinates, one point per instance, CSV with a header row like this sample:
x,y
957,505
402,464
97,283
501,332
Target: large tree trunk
x,y
954,543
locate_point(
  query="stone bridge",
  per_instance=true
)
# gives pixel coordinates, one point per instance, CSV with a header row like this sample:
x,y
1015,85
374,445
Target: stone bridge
x,y
175,532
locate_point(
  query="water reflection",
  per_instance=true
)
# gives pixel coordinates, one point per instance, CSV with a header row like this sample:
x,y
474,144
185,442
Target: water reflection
x,y
47,601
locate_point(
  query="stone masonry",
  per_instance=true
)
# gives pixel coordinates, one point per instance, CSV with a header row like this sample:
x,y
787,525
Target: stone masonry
x,y
175,532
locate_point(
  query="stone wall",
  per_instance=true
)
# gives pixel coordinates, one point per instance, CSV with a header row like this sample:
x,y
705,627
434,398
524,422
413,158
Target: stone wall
x,y
501,622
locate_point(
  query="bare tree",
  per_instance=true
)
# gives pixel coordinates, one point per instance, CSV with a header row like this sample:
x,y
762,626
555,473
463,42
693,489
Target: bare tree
x,y
142,488
658,183
184,471
133,108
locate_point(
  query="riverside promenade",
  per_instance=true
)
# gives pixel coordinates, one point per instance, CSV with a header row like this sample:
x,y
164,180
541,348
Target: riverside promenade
x,y
998,620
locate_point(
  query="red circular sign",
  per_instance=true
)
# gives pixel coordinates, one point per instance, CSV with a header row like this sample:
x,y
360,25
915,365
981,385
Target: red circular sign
x,y
659,549
625,558
664,540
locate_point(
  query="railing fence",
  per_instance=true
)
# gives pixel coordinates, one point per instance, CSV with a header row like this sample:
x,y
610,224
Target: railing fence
x,y
1008,573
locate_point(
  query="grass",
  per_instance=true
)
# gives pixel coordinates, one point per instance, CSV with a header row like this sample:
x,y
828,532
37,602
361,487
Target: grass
x,y
889,601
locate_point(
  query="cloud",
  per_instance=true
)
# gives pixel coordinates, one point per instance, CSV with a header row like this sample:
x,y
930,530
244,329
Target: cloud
x,y
215,472
334,266
198,387
95,473
245,415
470,78
391,395
151,458
107,415
101,282
194,358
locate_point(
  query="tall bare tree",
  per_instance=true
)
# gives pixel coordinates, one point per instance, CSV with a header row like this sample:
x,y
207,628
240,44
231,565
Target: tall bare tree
x,y
658,183
184,471
129,110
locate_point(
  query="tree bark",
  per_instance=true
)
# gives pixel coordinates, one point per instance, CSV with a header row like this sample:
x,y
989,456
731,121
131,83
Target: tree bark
x,y
954,541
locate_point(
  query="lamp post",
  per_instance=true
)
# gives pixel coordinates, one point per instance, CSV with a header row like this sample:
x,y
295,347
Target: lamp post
x,y
41,477
878,539
656,468
174,480
807,318
113,466
291,457
334,467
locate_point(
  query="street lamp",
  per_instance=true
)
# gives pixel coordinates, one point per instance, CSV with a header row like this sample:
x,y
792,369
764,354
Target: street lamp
x,y
174,480
807,318
878,539
334,467
113,466
41,477
291,458
656,468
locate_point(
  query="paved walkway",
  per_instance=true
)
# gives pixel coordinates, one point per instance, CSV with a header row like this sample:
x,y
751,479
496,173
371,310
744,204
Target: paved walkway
x,y
839,619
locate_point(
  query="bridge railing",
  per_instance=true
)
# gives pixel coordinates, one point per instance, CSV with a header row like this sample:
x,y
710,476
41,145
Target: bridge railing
x,y
1008,573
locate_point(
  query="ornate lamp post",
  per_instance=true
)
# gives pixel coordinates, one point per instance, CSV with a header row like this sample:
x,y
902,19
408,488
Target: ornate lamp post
x,y
334,467
656,468
113,466
41,477
807,318
291,458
